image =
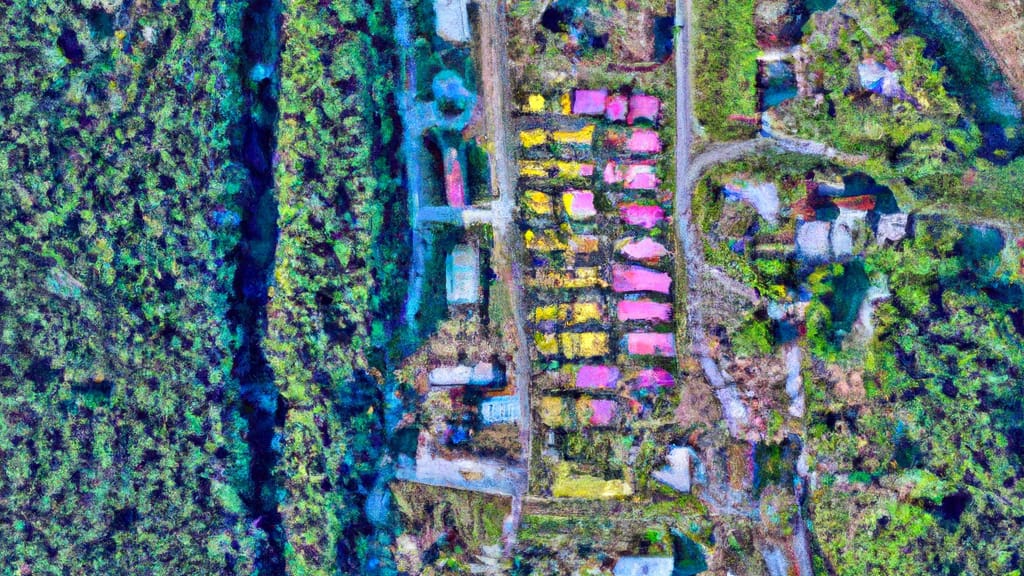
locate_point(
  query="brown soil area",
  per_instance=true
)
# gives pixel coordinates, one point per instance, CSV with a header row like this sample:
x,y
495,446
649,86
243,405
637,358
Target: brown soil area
x,y
1000,23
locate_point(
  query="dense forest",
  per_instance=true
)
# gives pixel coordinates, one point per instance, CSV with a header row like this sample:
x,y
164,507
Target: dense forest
x,y
145,280
122,446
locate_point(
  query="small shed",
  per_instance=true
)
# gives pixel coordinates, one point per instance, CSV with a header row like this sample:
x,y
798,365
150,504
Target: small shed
x,y
462,269
879,79
451,19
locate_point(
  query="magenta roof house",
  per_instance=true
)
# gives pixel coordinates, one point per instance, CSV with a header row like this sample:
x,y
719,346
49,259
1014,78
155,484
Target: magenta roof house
x,y
589,102
639,279
602,412
640,177
579,204
597,377
644,142
653,378
651,344
615,108
454,183
641,215
643,249
643,108
643,310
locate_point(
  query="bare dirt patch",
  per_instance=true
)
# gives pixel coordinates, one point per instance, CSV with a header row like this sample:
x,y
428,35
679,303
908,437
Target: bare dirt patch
x,y
1000,23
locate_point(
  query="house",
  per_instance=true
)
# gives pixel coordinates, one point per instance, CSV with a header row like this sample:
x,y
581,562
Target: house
x,y
652,378
651,344
641,215
615,108
454,180
538,202
644,566
644,142
641,177
589,102
763,196
462,275
677,474
532,138
480,374
643,249
639,279
579,204
877,78
844,231
451,20
643,107
583,344
646,310
584,136
596,377
891,228
500,409
634,177
812,240
596,411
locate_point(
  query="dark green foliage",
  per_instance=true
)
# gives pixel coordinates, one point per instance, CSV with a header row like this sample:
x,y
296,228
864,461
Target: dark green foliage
x,y
944,382
121,449
725,63
338,264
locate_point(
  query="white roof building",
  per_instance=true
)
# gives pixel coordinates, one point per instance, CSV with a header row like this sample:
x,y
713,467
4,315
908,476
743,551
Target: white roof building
x,y
644,566
463,275
500,409
452,20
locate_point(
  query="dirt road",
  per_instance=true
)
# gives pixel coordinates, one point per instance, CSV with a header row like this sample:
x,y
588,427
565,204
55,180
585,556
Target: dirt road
x,y
496,93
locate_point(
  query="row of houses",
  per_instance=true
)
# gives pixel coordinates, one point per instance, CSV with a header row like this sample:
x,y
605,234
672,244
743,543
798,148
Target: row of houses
x,y
599,288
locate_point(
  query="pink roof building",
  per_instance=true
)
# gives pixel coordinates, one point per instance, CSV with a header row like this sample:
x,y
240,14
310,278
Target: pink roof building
x,y
589,102
586,169
644,249
597,377
641,215
644,142
651,344
644,310
636,176
640,177
615,108
653,378
454,184
643,108
579,204
602,412
612,173
639,279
